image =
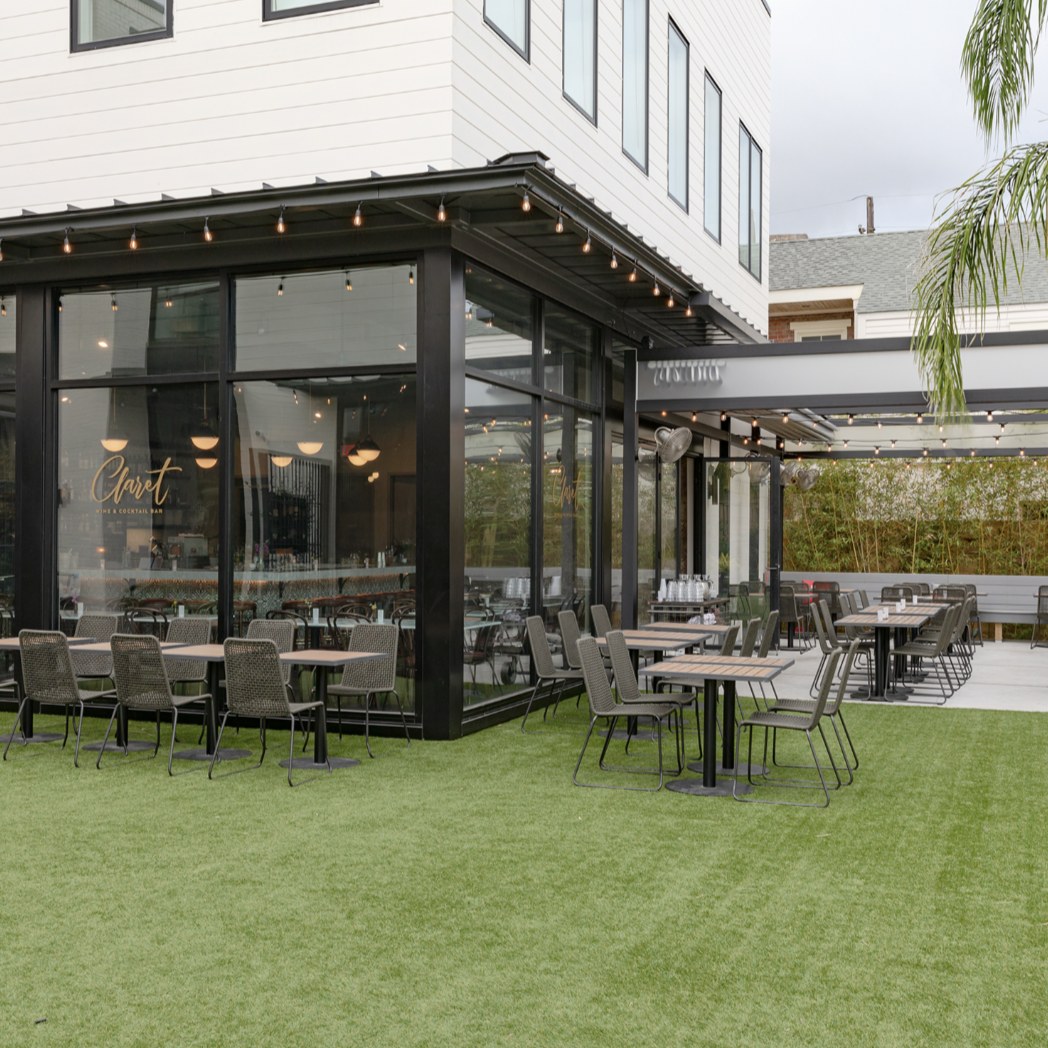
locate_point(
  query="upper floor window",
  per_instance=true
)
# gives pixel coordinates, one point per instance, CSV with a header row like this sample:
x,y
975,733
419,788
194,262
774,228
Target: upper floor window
x,y
580,55
711,174
635,80
104,23
749,202
511,19
677,112
288,8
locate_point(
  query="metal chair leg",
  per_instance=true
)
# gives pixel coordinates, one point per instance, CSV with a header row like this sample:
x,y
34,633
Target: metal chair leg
x,y
218,744
109,728
17,724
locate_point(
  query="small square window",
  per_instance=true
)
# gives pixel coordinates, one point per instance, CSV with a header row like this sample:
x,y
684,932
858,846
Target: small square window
x,y
289,8
106,23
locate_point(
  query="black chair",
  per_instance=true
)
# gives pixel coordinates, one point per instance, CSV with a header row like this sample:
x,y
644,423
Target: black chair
x,y
1040,616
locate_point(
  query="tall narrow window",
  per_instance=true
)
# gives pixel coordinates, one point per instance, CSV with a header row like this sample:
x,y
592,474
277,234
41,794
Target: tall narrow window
x,y
749,202
103,23
635,80
580,55
511,19
677,112
711,175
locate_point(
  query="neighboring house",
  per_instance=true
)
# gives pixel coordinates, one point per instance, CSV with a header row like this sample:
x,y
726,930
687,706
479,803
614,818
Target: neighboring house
x,y
861,287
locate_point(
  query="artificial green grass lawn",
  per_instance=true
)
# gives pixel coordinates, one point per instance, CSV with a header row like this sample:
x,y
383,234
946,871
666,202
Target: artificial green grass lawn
x,y
466,893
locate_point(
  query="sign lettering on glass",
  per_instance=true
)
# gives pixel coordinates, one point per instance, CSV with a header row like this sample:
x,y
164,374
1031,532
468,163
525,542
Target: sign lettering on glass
x,y
114,481
688,372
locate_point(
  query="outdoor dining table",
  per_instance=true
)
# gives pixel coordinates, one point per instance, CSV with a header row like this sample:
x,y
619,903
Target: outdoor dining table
x,y
898,622
690,629
710,671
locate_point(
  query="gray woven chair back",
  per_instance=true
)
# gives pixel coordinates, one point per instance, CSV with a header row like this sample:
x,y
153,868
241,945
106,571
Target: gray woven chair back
x,y
861,600
374,674
570,634
622,666
771,629
601,697
948,631
1042,600
541,656
280,631
922,589
254,679
899,592
788,605
139,672
826,686
964,616
826,645
847,604
953,592
749,638
97,627
838,694
187,631
47,669
601,619
728,640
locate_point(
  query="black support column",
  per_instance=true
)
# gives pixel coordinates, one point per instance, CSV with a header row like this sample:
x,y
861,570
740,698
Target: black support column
x,y
630,490
441,494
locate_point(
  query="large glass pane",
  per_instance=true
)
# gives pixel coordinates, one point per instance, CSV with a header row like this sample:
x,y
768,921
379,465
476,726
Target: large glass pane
x,y
744,198
635,80
510,18
159,329
580,54
568,354
499,326
677,103
137,499
497,540
8,318
329,319
316,525
755,210
617,482
669,519
647,531
749,203
711,212
116,21
567,514
7,509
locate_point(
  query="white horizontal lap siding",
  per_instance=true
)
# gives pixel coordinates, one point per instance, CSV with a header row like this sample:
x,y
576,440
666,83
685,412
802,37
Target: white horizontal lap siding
x,y
504,104
229,101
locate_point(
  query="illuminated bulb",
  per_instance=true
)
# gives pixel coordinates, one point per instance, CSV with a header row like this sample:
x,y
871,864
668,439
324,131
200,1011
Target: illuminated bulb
x,y
442,214
113,303
3,307
989,416
67,246
358,216
310,447
944,442
670,302
655,289
559,227
876,451
997,440
206,461
349,282
687,310
845,443
694,417
785,416
168,303
920,419
281,224
411,277
280,289
114,444
281,461
1002,427
60,304
633,276
925,452
880,424
851,420
1,249
525,204
893,443
972,453
1022,452
208,235
133,242
587,247
614,260
724,416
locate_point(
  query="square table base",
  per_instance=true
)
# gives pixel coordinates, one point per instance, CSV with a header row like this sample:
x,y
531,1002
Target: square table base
x,y
112,746
694,788
309,764
203,755
742,769
40,736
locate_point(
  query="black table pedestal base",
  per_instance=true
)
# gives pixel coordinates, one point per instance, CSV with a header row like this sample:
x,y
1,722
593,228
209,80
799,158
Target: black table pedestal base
x,y
741,770
694,788
43,736
112,746
203,755
310,764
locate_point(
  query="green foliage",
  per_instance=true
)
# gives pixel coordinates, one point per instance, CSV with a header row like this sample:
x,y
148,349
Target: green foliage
x,y
961,516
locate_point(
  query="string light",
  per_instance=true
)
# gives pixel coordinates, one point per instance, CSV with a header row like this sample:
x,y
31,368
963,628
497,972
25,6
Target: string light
x,y
67,246
411,277
281,224
525,204
208,235
851,420
349,281
920,419
587,247
687,310
133,242
614,260
997,439
559,227
1,249
925,452
633,274
877,451
442,212
655,289
880,424
893,443
785,416
669,302
972,453
3,307
113,303
358,216
989,416
1022,452
724,416
280,288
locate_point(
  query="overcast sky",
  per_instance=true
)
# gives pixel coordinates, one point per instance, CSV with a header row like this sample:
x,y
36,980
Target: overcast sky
x,y
868,99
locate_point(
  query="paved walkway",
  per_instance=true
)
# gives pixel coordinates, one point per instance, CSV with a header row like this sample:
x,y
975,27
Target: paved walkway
x,y
1006,676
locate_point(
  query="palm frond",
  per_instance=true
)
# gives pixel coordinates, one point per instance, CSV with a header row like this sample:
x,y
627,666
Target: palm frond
x,y
998,61
980,239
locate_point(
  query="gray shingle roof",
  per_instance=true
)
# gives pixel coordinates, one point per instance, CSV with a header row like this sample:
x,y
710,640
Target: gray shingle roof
x,y
885,264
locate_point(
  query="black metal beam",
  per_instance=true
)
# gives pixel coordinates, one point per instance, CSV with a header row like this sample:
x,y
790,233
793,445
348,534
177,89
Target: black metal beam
x,y
630,490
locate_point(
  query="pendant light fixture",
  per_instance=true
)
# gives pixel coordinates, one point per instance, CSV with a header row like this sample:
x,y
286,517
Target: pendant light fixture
x,y
208,235
442,212
314,446
133,242
349,281
352,455
115,439
281,461
281,224
206,461
204,438
67,244
367,448
358,216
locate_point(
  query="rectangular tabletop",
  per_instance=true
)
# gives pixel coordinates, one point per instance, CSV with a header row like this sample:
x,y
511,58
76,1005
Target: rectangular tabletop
x,y
655,640
688,669
104,647
912,618
686,629
11,643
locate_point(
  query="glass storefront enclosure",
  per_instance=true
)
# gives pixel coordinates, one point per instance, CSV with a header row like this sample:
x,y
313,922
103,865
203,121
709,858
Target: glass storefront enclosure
x,y
7,462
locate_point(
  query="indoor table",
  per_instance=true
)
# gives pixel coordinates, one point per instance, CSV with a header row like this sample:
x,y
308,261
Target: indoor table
x,y
709,671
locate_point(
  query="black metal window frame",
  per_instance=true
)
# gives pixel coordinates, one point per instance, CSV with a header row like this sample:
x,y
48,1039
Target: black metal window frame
x,y
270,15
591,117
707,173
75,43
525,51
641,162
674,31
746,203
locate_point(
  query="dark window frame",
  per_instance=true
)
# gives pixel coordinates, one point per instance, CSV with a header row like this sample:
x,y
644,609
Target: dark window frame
x,y
744,131
524,53
717,236
591,117
671,30
75,44
642,164
269,15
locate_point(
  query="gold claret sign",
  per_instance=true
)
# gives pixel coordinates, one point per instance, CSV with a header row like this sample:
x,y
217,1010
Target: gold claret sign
x,y
114,482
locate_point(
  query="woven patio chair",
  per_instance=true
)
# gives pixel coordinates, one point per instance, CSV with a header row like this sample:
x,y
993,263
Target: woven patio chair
x,y
604,707
550,680
142,683
47,673
830,592
601,620
826,638
786,720
372,677
891,594
345,617
931,647
91,665
974,622
255,689
510,643
1040,615
147,618
794,615
299,623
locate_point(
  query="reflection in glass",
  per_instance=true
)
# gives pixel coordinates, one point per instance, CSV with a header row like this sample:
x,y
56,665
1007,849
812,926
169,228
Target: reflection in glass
x,y
580,54
499,325
7,507
8,325
647,531
677,105
138,524
497,540
99,21
569,351
711,160
163,329
510,18
635,80
329,319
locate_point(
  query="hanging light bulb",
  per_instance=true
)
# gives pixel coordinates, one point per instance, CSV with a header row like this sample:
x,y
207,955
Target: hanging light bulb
x,y
587,247
133,242
876,450
204,438
349,281
353,456
655,289
559,227
785,416
281,461
206,461
997,439
367,448
893,443
880,424
358,216
281,224
851,420
670,302
920,419
411,277
989,416
614,260
113,305
633,274
442,212
687,310
925,452
525,204
845,443
208,235
972,453
3,307
310,447
280,288
67,245
1,249
60,307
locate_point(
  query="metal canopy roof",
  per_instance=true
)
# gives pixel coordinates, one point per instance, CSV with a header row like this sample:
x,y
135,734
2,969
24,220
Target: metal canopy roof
x,y
482,206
